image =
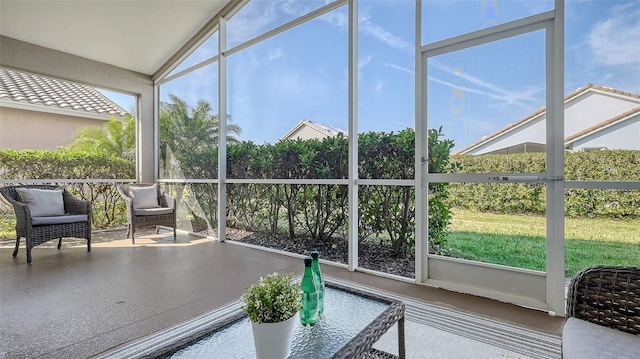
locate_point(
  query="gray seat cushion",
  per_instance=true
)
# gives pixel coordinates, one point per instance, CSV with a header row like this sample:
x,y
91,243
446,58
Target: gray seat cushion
x,y
71,218
583,340
152,211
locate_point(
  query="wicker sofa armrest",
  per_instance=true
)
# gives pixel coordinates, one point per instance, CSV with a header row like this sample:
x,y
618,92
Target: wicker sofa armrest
x,y
170,200
124,193
21,209
608,296
75,205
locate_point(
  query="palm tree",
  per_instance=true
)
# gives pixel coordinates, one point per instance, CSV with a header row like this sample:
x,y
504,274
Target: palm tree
x,y
117,138
189,140
190,128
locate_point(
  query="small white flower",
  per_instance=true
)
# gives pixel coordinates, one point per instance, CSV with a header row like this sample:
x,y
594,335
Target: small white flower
x,y
274,299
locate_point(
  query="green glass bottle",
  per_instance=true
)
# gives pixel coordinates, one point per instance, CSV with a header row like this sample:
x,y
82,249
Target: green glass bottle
x,y
309,311
315,267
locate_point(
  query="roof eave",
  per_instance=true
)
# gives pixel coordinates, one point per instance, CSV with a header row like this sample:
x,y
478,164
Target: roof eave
x,y
56,110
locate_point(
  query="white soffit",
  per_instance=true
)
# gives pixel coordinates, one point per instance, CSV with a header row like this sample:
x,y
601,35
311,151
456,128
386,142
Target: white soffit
x,y
138,35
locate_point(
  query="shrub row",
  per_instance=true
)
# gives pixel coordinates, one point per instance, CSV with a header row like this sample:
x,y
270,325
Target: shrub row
x,y
108,209
530,198
321,211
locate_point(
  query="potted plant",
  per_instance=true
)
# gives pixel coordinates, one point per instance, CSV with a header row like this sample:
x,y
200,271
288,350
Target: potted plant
x,y
272,305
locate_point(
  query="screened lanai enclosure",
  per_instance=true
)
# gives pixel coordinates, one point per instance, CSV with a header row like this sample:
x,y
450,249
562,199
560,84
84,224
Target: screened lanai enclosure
x,y
339,126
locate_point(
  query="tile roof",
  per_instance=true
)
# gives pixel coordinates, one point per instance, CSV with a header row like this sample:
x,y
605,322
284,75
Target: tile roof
x,y
542,110
603,124
43,91
325,129
328,130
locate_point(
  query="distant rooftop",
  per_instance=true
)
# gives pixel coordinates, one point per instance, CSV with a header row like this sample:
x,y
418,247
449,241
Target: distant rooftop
x,y
590,87
37,90
325,130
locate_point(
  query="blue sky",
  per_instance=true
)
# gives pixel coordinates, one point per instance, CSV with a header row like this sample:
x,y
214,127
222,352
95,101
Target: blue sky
x,y
302,73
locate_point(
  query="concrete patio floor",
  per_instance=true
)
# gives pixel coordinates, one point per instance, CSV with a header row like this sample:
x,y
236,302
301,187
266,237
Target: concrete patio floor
x,y
72,304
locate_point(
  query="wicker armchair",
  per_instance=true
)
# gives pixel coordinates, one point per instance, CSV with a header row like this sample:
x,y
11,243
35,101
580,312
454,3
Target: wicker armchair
x,y
162,214
76,221
609,297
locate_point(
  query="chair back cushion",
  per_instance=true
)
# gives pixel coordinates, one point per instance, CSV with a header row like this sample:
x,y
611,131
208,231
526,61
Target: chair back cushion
x,y
145,197
43,202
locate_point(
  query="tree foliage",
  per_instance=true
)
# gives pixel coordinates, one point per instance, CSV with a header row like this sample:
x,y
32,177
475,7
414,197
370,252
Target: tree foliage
x,y
189,134
115,138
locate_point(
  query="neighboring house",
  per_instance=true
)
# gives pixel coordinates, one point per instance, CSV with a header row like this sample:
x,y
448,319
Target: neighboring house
x,y
595,118
41,113
306,130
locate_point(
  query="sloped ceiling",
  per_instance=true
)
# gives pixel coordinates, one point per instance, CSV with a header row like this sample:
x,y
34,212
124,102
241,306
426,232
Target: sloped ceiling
x,y
138,35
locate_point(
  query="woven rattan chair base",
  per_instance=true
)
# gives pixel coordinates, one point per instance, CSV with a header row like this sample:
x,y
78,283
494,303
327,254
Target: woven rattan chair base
x,y
142,222
374,353
608,296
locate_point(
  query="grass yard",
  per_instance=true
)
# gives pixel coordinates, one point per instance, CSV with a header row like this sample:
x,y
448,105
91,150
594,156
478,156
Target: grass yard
x,y
519,241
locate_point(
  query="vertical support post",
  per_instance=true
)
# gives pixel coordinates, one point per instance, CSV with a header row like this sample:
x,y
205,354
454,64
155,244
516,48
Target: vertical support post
x,y
146,128
156,132
353,135
222,131
555,161
138,128
421,236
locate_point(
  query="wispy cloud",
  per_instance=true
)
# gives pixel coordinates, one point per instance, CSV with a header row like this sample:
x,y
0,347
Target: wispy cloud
x,y
465,88
275,53
259,16
524,98
364,61
367,27
336,18
615,40
379,85
399,68
251,21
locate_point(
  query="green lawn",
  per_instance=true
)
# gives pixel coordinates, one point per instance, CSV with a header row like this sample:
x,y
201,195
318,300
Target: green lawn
x,y
519,241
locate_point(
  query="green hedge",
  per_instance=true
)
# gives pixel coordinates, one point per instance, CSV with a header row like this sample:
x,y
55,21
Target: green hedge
x,y
530,198
108,208
321,211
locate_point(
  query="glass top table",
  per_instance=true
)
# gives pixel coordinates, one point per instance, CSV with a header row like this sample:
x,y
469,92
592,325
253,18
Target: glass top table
x,y
352,322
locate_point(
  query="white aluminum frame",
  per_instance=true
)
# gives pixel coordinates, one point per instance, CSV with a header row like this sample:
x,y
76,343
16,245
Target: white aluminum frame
x,y
537,289
353,137
222,131
542,290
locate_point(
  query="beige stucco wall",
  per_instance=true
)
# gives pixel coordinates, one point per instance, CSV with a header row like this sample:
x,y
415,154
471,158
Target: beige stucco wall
x,y
23,129
42,61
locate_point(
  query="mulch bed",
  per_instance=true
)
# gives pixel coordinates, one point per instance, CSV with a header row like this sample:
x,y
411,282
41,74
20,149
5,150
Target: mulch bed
x,y
373,255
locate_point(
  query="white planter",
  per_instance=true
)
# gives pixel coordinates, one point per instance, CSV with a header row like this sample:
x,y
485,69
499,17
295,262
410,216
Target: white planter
x,y
273,340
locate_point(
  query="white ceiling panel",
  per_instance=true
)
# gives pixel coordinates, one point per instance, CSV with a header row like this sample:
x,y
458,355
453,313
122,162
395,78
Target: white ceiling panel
x,y
139,35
